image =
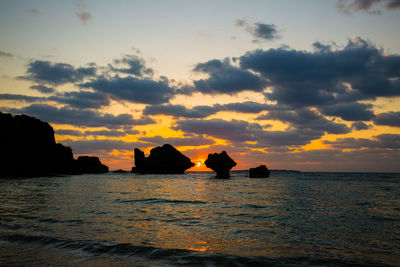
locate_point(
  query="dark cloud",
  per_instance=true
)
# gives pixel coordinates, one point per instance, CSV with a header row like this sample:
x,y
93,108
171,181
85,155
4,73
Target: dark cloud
x,y
349,6
258,30
81,118
389,119
359,125
198,112
82,99
239,132
5,54
244,107
136,66
69,132
224,78
289,137
56,73
24,98
84,16
265,31
300,78
235,130
350,111
108,133
390,141
144,90
43,89
306,119
178,141
179,111
96,146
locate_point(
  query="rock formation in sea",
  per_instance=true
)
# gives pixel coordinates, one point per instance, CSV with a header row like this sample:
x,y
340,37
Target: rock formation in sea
x,y
28,148
86,164
259,172
220,163
162,160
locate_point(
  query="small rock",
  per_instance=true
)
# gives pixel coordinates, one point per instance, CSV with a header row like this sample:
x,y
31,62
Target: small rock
x,y
259,172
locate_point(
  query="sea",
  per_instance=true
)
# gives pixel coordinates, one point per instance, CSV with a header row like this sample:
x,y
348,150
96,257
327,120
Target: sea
x,y
194,219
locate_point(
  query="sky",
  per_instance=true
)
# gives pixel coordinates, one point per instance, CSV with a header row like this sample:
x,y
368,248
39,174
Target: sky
x,y
304,85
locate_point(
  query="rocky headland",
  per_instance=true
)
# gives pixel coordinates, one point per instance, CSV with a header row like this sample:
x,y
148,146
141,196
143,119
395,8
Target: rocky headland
x,y
28,149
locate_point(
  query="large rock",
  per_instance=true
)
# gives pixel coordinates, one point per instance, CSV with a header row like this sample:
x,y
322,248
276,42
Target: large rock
x,y
259,172
86,164
220,163
28,148
162,160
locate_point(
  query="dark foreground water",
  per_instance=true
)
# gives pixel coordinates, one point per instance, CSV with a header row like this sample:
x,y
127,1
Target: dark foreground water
x,y
288,219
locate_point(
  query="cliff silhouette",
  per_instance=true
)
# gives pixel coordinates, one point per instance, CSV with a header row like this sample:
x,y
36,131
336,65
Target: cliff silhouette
x,y
28,149
162,160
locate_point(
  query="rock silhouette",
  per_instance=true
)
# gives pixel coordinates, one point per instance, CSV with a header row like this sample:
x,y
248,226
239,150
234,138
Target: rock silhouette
x,y
220,163
162,160
259,172
86,164
28,148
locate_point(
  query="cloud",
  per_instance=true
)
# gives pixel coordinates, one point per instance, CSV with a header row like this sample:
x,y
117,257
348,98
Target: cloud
x,y
240,132
224,78
350,6
34,11
69,132
107,133
359,125
80,118
389,119
350,111
43,89
244,107
390,141
235,130
198,112
82,99
260,31
56,73
302,79
136,66
178,141
179,111
96,146
306,119
24,98
289,137
84,16
5,54
145,91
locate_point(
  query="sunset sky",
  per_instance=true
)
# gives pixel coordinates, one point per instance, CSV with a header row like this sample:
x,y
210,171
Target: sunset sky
x,y
306,85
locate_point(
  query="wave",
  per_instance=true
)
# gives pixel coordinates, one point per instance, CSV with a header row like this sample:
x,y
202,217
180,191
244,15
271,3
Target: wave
x,y
175,256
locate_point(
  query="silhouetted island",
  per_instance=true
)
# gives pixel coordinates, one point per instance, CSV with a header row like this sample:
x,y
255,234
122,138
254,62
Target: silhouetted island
x,y
86,164
220,163
259,172
162,160
28,149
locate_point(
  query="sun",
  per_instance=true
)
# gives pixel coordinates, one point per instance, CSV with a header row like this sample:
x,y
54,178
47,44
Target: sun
x,y
199,162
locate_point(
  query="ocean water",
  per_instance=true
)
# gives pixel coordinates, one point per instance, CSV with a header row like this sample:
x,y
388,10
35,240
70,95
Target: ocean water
x,y
289,219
